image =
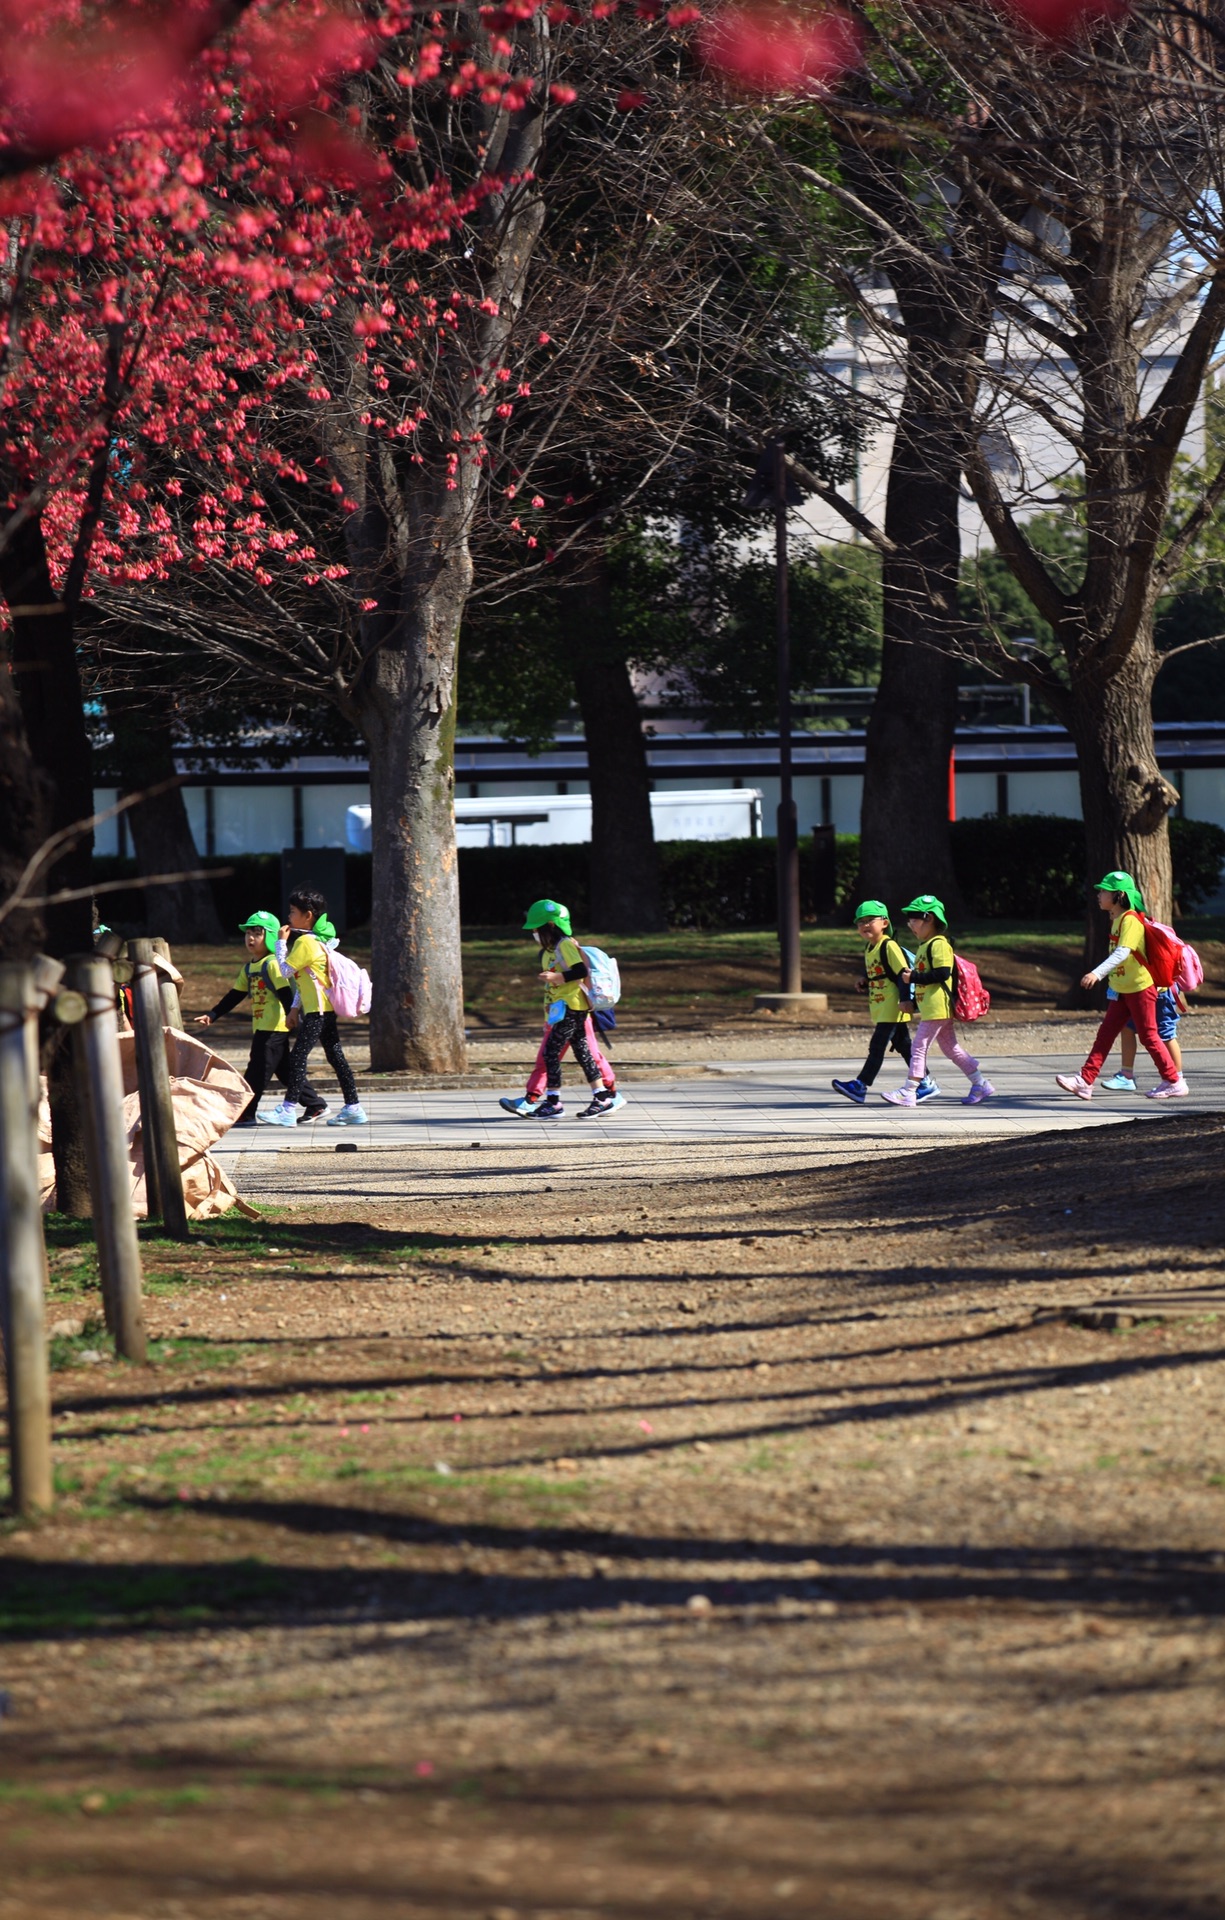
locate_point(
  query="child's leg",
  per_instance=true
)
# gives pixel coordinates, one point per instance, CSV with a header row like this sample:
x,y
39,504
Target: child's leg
x,y
255,1072
608,1072
901,1040
1143,1010
310,1026
1113,1021
924,1033
556,1041
1127,1050
877,1046
951,1046
334,1054
1175,1053
278,1057
537,1079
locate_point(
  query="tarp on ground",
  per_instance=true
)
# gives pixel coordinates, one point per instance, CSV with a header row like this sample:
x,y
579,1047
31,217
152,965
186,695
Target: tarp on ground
x,y
208,1095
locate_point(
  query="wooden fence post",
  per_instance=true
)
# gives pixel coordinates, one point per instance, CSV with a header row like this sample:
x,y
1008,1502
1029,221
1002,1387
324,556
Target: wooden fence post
x,y
100,1085
161,1145
172,1011
23,1256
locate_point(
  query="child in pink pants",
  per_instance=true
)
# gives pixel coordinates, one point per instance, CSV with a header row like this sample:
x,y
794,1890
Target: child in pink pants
x,y
536,1081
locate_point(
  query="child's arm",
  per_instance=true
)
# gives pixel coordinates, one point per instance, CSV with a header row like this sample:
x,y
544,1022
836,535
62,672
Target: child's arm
x,y
226,1004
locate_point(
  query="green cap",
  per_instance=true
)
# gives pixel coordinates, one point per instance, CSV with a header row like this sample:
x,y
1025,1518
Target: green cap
x,y
547,913
928,903
1118,882
872,910
323,928
271,928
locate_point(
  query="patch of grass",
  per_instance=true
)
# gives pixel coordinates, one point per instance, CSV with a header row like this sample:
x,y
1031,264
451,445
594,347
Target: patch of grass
x,y
65,1349
196,1353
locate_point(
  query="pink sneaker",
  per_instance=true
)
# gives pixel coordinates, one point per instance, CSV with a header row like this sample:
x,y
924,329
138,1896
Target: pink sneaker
x,y
1075,1083
1169,1089
901,1097
980,1091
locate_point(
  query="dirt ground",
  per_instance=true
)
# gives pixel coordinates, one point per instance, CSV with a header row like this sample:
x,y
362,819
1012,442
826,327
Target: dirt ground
x,y
689,1543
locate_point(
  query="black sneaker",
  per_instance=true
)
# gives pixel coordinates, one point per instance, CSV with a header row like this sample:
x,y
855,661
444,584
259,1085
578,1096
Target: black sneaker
x,y
549,1110
606,1102
314,1113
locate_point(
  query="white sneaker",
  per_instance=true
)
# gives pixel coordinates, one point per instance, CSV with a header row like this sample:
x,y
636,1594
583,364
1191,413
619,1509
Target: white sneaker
x,y
1169,1089
1074,1083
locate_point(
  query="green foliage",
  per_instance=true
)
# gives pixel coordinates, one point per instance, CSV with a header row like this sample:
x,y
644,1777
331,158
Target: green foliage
x,y
731,666
1032,866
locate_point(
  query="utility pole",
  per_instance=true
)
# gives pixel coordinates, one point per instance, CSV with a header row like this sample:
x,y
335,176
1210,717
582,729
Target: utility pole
x,y
789,980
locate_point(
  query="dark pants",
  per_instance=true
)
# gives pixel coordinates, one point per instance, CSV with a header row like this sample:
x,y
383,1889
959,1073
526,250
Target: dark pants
x,y
269,1061
885,1035
570,1032
312,1028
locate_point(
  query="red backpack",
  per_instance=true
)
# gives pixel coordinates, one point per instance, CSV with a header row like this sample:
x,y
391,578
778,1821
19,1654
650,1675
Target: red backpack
x,y
970,997
1168,958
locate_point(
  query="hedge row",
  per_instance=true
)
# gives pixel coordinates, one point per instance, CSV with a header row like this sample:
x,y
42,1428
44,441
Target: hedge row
x,y
1023,867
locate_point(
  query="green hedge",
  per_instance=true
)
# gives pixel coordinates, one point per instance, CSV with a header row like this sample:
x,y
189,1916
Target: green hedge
x,y
1031,866
1023,867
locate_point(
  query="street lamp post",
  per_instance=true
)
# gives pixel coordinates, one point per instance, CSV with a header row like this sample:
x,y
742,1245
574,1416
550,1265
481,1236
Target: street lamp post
x,y
789,976
774,486
1025,647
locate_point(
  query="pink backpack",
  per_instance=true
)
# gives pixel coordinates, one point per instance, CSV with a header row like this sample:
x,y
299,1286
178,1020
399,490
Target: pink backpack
x,y
348,986
970,997
1171,961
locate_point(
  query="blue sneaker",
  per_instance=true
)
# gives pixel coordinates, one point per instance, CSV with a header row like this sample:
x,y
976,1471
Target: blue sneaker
x,y
522,1107
280,1117
851,1090
1121,1083
349,1117
926,1089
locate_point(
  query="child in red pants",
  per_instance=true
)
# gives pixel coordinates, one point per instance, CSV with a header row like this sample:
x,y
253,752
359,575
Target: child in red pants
x,y
1119,896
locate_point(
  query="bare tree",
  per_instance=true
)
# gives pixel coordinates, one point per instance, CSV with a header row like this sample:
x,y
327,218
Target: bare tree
x,y
1088,307
646,340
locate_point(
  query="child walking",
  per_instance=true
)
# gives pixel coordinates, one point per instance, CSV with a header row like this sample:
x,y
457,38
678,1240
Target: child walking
x,y
563,971
884,963
262,979
1119,896
933,986
306,960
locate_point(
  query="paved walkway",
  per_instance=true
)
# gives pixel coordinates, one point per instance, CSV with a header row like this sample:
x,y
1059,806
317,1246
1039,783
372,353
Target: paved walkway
x,y
744,1101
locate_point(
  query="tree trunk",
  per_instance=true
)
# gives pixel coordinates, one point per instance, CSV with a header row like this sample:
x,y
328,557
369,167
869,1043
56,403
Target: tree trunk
x,y
405,702
161,831
53,714
1124,797
626,888
24,811
904,830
